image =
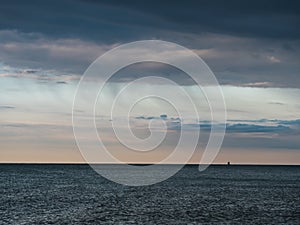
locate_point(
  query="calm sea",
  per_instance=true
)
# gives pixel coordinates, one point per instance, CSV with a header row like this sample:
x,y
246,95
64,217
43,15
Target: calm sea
x,y
75,194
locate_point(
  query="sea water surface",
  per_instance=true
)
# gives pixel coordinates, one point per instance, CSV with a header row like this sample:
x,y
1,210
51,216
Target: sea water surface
x,y
75,194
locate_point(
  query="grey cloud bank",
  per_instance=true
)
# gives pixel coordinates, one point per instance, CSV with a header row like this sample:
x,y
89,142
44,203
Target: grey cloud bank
x,y
254,44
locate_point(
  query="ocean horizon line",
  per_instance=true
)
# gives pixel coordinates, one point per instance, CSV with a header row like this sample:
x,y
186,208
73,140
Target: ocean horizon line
x,y
141,164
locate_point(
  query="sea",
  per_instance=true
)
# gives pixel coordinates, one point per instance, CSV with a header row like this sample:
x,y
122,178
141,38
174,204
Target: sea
x,y
76,194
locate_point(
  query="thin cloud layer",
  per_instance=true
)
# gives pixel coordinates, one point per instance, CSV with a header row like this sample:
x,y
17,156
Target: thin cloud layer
x,y
233,126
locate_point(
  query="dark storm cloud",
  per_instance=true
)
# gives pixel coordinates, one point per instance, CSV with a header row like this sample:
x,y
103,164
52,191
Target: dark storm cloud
x,y
71,19
124,20
252,18
253,44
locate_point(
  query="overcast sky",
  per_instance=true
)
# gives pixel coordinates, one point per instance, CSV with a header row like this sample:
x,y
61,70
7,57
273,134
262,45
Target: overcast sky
x,y
252,47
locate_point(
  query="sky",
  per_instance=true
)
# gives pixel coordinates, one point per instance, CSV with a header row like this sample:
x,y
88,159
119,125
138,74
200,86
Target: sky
x,y
253,48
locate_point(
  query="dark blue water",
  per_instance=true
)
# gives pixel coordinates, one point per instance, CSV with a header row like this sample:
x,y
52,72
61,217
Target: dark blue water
x,y
75,194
